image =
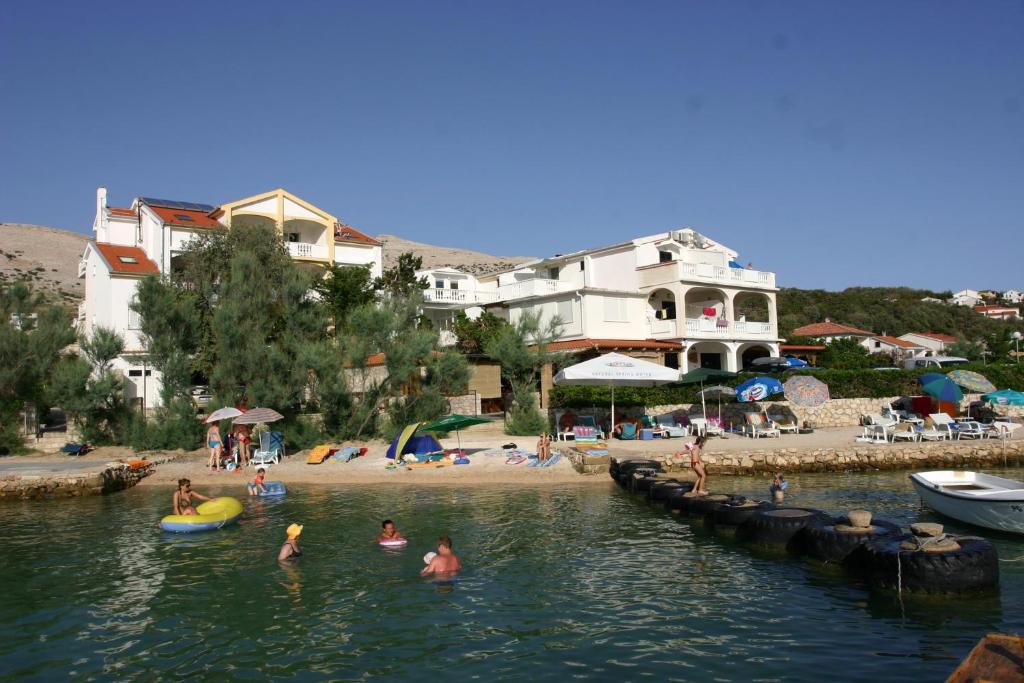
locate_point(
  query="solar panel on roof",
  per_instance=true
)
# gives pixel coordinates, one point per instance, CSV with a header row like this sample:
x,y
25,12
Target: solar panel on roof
x,y
184,217
172,204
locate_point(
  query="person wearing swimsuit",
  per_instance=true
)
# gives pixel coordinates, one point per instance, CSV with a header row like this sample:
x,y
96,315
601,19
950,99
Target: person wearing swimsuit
x,y
696,449
181,502
213,440
290,549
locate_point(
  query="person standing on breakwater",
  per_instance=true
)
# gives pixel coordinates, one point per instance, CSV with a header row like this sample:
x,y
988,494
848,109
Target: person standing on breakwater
x,y
696,450
445,562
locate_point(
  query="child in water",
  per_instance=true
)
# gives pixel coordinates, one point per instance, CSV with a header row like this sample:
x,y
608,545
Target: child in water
x,y
389,532
779,485
256,485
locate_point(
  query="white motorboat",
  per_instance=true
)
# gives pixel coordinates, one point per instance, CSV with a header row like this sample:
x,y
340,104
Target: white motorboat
x,y
973,497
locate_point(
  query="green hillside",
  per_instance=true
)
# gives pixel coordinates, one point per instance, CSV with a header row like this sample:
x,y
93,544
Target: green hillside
x,y
889,310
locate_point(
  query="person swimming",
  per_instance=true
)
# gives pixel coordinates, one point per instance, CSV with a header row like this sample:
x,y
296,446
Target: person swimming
x,y
389,532
445,562
290,549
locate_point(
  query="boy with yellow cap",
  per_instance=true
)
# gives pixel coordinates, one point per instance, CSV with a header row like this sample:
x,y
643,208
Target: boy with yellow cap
x,y
290,549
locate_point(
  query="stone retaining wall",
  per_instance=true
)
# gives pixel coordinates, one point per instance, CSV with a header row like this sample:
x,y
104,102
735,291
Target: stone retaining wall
x,y
106,478
859,457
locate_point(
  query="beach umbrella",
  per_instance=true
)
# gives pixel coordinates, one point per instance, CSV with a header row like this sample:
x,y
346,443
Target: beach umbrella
x,y
223,414
255,415
806,391
758,388
940,387
453,423
1004,397
702,375
718,392
794,362
972,381
615,370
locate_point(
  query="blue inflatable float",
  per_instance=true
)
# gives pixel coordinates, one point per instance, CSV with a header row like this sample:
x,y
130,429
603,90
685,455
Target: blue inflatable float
x,y
273,488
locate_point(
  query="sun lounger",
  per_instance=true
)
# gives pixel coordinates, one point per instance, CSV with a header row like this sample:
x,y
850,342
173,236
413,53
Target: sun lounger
x,y
584,434
905,431
319,453
270,451
667,423
972,430
942,420
565,420
758,426
784,424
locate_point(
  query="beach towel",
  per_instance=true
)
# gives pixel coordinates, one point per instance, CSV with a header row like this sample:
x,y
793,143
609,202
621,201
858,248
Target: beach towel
x,y
318,454
345,454
516,460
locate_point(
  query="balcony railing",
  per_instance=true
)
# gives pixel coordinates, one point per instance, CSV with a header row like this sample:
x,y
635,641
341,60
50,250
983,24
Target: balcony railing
x,y
674,271
307,250
468,297
528,288
735,329
81,268
661,328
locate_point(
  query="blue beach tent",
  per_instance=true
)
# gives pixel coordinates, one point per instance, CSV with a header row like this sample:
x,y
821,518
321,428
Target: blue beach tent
x,y
409,442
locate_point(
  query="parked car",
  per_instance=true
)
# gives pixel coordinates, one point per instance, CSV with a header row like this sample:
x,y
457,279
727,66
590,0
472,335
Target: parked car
x,y
934,362
201,396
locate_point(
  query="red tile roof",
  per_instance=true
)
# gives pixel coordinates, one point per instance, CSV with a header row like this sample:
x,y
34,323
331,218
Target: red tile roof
x,y
614,344
829,329
894,341
186,217
938,336
983,309
118,211
137,262
346,233
801,347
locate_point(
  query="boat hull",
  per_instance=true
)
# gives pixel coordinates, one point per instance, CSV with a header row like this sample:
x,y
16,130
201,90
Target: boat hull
x,y
1005,516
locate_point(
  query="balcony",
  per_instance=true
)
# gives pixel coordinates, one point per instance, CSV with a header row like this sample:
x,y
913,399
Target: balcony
x,y
80,317
657,329
531,288
709,328
458,297
81,268
307,250
676,271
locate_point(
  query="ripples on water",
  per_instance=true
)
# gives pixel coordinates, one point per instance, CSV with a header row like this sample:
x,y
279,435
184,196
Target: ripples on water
x,y
584,582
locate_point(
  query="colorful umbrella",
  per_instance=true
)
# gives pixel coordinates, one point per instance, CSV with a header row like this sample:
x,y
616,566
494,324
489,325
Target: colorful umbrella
x,y
223,414
972,381
806,391
940,387
758,388
257,415
453,423
1004,397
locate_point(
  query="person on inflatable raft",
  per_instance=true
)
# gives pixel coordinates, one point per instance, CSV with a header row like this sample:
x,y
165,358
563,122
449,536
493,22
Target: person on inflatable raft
x,y
181,502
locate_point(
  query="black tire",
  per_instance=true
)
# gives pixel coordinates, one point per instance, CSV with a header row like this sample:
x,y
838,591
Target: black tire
x,y
974,568
698,506
821,541
675,497
623,479
733,514
630,465
659,492
778,525
643,484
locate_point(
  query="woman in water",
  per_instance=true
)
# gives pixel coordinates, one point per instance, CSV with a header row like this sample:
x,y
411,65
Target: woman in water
x,y
290,549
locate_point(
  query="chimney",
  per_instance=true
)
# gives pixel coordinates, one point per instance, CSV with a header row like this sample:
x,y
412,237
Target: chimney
x,y
828,320
99,226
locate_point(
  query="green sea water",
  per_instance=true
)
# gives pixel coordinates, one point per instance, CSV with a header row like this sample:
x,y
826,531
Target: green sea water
x,y
562,582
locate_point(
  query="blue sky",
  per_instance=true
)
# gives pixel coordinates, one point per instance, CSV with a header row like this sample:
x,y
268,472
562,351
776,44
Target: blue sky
x,y
835,143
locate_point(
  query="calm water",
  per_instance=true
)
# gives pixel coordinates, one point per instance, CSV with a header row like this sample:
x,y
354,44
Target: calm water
x,y
572,581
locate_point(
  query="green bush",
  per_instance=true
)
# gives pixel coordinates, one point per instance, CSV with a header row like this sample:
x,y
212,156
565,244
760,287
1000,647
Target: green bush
x,y
863,383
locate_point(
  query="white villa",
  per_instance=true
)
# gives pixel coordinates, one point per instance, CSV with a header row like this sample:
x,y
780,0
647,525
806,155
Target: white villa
x,y
967,297
676,295
1013,296
146,237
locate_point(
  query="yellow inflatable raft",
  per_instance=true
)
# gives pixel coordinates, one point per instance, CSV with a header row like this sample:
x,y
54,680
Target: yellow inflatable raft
x,y
213,514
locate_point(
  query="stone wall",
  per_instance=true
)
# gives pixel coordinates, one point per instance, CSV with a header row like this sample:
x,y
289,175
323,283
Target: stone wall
x,y
859,457
467,404
106,478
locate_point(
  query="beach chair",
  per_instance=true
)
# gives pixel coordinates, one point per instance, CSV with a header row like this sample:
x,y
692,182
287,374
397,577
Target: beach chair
x,y
270,451
1001,429
972,430
585,434
905,431
698,425
785,424
943,420
565,420
758,426
933,432
648,422
668,424
589,421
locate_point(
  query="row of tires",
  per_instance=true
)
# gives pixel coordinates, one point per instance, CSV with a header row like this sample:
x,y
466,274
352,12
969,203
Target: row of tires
x,y
880,553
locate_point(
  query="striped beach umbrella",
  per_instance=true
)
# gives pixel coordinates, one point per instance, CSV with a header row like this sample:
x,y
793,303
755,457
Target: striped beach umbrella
x,y
806,391
972,381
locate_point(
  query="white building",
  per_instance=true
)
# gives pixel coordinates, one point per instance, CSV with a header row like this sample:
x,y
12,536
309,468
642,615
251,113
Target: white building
x,y
678,294
899,349
146,238
967,297
999,312
934,343
1013,296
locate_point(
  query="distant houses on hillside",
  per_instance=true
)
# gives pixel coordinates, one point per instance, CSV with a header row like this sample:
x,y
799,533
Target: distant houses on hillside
x,y
910,345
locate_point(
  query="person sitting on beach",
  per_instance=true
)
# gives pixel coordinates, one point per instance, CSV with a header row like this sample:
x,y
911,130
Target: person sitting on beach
x,y
544,447
779,485
389,532
290,549
181,502
213,440
445,562
256,486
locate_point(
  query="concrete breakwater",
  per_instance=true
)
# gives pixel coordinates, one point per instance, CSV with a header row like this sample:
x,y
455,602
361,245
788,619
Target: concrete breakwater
x,y
857,457
30,480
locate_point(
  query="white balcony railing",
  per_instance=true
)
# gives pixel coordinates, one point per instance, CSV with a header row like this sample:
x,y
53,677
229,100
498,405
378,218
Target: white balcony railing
x,y
675,271
307,250
661,328
719,328
80,318
528,288
467,297
81,268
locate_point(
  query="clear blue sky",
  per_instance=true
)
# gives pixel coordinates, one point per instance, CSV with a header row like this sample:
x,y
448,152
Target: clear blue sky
x,y
836,143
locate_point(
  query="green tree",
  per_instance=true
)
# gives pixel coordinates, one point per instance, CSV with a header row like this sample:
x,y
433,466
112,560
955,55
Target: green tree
x,y
32,335
400,282
342,289
964,348
845,354
522,350
473,335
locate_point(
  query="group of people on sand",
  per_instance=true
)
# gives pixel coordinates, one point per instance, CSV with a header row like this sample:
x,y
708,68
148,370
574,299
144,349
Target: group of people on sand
x,y
242,435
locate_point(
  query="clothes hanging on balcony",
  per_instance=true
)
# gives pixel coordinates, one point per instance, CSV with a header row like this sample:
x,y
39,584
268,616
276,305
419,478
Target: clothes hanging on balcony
x,y
722,322
710,311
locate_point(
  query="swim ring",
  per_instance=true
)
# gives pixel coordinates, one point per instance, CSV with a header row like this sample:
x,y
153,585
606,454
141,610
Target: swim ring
x,y
213,514
273,488
394,543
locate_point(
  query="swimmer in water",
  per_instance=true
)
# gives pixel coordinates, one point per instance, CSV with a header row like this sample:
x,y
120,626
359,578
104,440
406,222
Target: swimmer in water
x,y
389,532
445,563
290,549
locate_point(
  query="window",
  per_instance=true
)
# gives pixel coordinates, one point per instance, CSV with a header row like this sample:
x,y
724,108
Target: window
x,y
553,273
454,284
582,266
134,322
664,256
615,310
878,344
565,311
293,237
672,360
438,284
127,259
184,217
138,373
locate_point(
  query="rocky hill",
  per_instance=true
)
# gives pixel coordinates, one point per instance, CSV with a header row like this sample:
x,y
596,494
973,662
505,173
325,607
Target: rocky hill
x,y
465,260
46,258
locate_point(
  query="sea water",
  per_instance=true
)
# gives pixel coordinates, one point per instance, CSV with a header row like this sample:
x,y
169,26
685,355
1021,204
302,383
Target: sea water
x,y
585,582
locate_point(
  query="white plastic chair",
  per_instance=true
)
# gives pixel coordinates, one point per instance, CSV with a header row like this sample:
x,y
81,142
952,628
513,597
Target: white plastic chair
x,y
268,453
942,420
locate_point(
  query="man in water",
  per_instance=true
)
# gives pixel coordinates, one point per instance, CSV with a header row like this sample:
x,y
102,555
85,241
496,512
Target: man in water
x,y
389,533
445,562
181,502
